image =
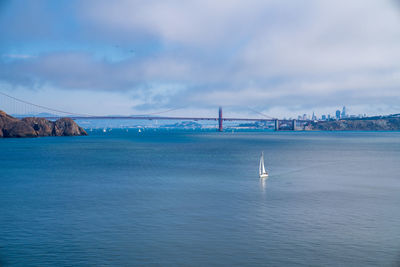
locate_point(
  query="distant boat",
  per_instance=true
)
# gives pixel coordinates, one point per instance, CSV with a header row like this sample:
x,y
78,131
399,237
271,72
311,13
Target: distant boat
x,y
263,173
139,131
104,130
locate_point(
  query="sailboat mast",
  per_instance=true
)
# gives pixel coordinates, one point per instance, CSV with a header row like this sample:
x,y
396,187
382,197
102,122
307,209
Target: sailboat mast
x,y
263,167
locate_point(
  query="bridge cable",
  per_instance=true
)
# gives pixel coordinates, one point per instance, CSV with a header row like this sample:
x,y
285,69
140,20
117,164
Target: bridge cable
x,y
77,114
161,112
262,114
46,108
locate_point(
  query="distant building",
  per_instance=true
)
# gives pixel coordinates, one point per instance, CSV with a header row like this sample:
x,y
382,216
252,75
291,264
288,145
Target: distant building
x,y
329,116
313,117
344,112
337,114
324,117
304,116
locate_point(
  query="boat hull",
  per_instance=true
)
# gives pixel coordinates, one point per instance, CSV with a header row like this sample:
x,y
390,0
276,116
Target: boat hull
x,y
263,176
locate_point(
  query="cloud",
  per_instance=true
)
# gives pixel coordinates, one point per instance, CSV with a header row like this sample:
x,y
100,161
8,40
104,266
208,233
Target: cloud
x,y
196,22
306,54
17,56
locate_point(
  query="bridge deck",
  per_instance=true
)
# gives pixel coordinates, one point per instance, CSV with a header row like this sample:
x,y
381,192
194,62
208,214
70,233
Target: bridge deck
x,y
165,118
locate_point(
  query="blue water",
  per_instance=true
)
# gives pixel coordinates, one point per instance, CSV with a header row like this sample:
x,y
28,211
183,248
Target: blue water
x,y
194,199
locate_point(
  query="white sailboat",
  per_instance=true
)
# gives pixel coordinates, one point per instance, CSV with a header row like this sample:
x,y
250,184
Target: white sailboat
x,y
263,173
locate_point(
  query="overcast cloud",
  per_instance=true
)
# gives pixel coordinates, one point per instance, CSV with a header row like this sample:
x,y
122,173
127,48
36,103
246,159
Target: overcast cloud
x,y
280,57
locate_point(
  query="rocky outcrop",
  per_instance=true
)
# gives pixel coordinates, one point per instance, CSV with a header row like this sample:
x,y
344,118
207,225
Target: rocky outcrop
x,y
12,127
67,127
35,127
41,126
387,124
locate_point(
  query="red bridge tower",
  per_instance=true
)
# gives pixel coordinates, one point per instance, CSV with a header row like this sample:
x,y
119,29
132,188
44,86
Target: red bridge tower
x,y
220,128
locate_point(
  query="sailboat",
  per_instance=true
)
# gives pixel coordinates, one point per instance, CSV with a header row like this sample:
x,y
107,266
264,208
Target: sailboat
x,y
263,173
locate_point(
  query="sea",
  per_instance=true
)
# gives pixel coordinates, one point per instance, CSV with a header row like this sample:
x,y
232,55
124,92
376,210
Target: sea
x,y
194,198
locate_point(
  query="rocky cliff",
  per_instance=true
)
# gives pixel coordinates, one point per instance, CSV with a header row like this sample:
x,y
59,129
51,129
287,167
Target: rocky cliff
x,y
35,127
388,124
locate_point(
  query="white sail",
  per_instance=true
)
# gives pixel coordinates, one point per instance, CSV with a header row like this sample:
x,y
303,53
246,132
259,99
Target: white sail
x,y
261,169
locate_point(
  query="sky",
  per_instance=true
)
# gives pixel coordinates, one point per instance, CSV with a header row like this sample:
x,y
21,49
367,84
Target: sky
x,y
278,57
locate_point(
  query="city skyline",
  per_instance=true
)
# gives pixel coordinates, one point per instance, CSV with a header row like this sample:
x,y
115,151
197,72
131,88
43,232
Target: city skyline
x,y
336,114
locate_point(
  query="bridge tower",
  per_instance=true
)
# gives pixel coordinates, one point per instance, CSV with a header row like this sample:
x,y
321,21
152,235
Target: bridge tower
x,y
220,128
276,124
294,124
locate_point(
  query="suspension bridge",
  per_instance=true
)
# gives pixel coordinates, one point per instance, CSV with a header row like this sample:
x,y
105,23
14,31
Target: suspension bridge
x,y
22,108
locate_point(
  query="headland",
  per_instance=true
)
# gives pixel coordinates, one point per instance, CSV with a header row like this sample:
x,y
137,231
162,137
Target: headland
x,y
37,127
379,124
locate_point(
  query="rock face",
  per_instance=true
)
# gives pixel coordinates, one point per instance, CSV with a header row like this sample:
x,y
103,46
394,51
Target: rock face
x,y
41,126
35,127
67,127
389,124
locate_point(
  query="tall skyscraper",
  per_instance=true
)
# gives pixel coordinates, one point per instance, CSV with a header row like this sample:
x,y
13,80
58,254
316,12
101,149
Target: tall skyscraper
x,y
338,114
344,112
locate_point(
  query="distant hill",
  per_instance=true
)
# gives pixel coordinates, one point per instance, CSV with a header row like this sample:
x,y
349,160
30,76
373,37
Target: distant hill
x,y
185,125
43,114
384,124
